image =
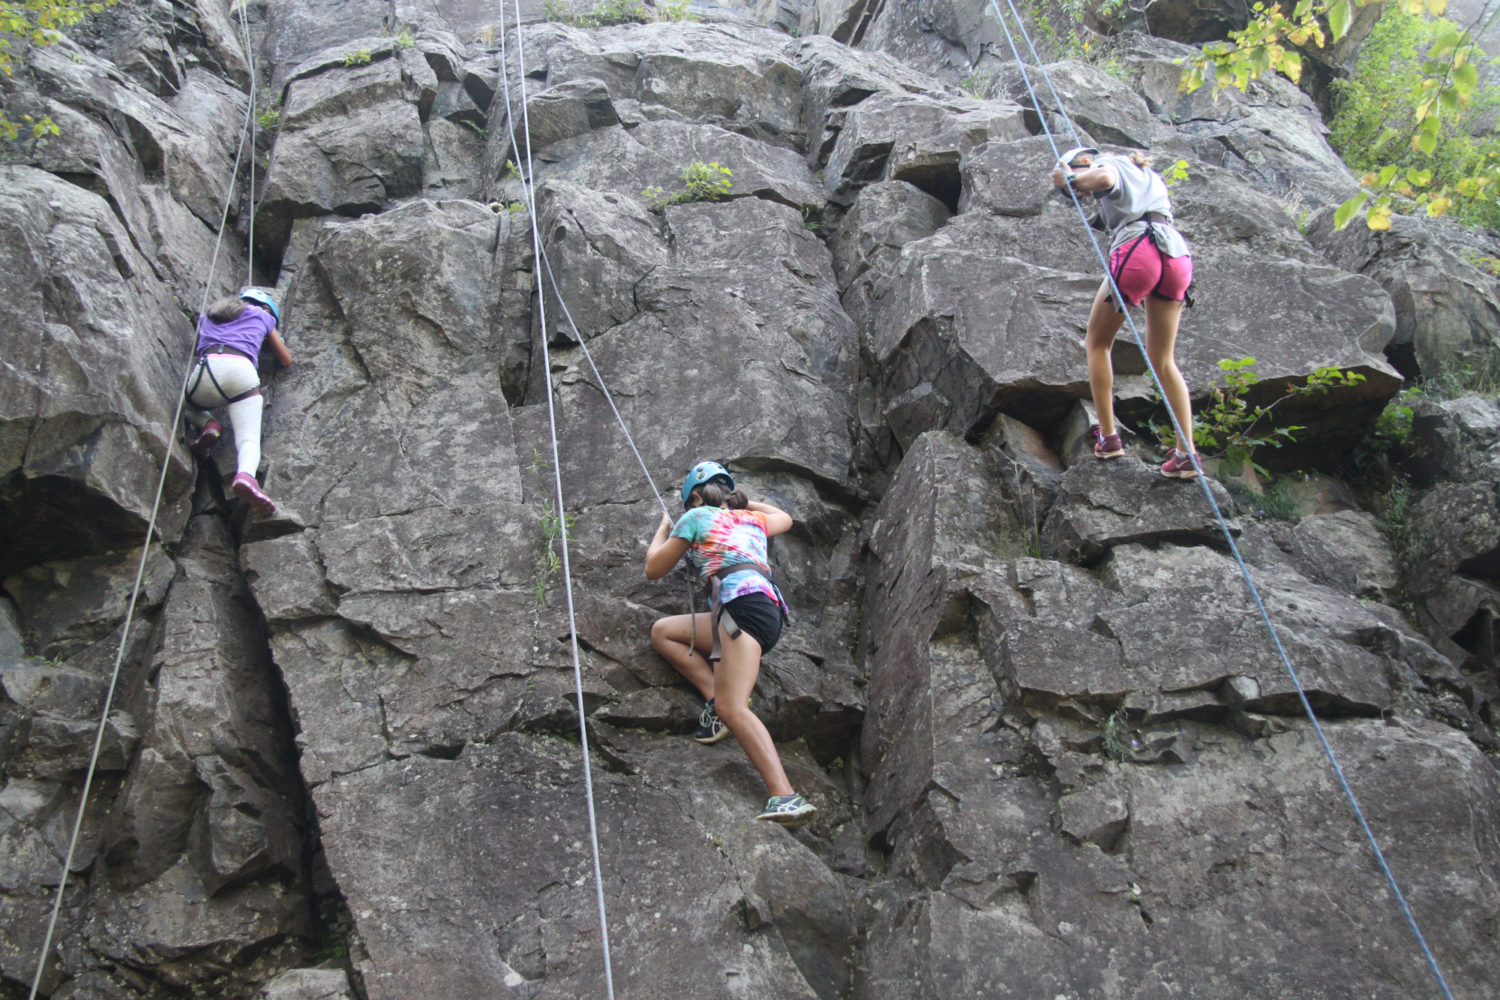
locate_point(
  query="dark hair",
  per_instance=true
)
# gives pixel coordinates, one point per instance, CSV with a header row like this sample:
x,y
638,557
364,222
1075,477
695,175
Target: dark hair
x,y
716,494
226,309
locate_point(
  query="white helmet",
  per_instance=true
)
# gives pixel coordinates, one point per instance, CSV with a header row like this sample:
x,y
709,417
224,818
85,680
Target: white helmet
x,y
1066,160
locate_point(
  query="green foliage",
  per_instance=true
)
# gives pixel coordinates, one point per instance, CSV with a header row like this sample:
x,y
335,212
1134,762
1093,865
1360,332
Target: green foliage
x,y
1276,501
703,182
1232,427
1489,265
553,527
35,22
1119,741
675,10
706,181
1393,426
1372,109
1394,510
1176,172
1457,378
604,14
1414,99
269,116
977,84
406,37
358,58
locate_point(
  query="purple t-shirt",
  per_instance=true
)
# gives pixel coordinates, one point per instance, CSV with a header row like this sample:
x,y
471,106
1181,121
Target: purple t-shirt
x,y
245,333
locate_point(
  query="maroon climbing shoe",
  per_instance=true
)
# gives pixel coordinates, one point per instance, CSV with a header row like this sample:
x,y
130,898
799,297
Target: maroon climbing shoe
x,y
1106,445
247,489
1179,465
203,444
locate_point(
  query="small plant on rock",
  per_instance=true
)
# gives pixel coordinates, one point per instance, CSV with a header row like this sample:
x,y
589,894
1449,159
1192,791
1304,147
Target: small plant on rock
x,y
706,181
604,14
1119,742
1232,427
358,58
977,84
269,116
1176,172
674,10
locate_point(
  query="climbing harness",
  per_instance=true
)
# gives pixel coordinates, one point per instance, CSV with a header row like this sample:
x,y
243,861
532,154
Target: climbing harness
x,y
1208,492
135,591
1152,220
201,368
713,583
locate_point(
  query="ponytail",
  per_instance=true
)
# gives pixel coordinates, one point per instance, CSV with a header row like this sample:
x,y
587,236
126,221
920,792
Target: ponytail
x,y
716,494
225,310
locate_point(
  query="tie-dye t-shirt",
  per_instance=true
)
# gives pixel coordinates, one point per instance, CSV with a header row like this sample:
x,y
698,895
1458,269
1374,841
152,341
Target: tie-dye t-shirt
x,y
723,537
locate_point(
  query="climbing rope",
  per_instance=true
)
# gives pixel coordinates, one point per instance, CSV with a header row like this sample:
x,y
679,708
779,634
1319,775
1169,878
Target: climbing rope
x,y
562,522
252,122
599,377
140,573
1203,480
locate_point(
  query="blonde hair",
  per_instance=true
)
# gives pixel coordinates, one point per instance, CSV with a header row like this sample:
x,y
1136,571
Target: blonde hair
x,y
1140,159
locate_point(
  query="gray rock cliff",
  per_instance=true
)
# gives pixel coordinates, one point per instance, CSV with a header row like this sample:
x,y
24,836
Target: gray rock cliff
x,y
1054,751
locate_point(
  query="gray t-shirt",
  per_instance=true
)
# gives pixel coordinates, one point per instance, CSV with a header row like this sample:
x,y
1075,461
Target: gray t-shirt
x,y
1137,190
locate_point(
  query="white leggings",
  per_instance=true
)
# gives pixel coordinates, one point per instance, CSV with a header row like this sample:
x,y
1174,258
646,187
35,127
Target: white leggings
x,y
235,374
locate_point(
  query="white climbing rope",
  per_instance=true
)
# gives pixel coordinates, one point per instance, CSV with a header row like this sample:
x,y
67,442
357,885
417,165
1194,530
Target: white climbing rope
x,y
135,590
1202,480
562,521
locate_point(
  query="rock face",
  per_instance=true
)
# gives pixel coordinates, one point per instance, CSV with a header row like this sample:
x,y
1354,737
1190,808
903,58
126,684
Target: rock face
x,y
1054,748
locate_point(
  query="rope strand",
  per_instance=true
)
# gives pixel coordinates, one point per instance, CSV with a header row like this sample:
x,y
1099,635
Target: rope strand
x,y
1213,504
140,573
562,521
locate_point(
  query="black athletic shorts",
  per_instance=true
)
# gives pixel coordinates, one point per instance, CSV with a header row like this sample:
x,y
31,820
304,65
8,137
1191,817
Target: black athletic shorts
x,y
759,617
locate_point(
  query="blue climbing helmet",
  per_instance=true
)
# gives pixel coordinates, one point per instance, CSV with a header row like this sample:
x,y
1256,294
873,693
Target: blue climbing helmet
x,y
252,294
1067,158
701,473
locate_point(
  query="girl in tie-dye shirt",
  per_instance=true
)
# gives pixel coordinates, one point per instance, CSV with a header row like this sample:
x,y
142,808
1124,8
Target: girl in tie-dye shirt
x,y
724,535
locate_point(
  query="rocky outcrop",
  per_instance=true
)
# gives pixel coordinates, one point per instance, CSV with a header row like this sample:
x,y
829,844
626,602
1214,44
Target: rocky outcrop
x,y
1445,306
1054,747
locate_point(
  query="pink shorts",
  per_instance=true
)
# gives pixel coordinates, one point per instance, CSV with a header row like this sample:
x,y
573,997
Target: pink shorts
x,y
1146,271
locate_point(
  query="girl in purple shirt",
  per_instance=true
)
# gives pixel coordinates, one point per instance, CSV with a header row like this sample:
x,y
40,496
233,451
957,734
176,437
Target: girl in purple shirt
x,y
224,374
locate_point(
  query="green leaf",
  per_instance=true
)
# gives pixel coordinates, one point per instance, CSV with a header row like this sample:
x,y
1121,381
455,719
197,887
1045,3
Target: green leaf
x,y
1339,18
1291,65
1346,212
1426,139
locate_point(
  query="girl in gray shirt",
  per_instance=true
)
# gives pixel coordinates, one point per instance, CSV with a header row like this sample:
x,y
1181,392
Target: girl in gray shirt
x,y
1149,261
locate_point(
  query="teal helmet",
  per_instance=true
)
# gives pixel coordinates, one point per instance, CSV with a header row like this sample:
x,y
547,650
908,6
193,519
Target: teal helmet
x,y
701,473
1067,158
252,294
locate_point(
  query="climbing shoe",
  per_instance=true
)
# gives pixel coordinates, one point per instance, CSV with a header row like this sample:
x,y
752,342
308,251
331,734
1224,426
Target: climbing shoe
x,y
1106,445
203,444
788,810
710,728
247,489
1179,465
